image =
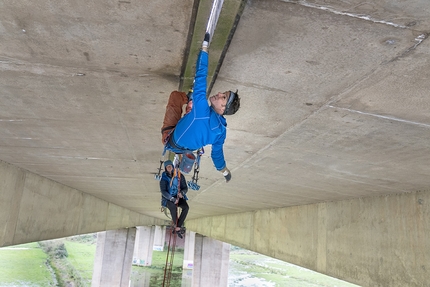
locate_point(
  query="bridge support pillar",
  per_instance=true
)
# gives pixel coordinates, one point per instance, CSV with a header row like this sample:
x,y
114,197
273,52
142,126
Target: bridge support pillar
x,y
159,237
114,254
144,245
190,239
211,259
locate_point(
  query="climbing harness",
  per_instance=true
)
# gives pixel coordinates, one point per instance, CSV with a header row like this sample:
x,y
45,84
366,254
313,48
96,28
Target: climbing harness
x,y
192,184
185,162
166,212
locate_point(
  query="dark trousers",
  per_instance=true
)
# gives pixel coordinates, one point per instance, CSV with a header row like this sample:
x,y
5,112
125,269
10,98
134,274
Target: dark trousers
x,y
174,211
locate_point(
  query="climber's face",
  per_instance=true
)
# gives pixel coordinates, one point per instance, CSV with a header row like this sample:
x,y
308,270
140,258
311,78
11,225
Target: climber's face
x,y
219,101
169,168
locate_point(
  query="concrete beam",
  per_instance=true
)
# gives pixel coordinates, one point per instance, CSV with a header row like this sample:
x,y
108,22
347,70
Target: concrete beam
x,y
373,241
220,41
34,208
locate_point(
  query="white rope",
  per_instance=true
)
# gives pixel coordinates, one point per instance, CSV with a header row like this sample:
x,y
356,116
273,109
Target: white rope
x,y
213,18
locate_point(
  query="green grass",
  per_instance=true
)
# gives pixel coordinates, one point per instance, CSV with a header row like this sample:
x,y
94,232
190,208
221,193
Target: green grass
x,y
159,262
81,257
159,258
24,267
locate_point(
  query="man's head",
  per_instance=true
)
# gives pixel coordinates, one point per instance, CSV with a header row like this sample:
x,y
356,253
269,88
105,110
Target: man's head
x,y
168,166
227,103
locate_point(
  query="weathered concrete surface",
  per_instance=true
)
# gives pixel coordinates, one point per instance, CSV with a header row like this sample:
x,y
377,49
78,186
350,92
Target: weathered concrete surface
x,y
33,208
113,258
324,114
211,259
144,245
371,241
334,106
338,110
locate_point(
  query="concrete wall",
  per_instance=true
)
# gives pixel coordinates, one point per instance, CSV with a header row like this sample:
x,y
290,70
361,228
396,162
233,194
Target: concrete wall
x,y
369,241
34,208
374,241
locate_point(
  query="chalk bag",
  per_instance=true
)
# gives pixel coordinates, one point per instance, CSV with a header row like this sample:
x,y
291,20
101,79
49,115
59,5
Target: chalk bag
x,y
187,162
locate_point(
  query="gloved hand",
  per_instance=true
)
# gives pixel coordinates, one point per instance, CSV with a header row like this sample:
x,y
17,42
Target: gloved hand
x,y
227,174
172,199
206,40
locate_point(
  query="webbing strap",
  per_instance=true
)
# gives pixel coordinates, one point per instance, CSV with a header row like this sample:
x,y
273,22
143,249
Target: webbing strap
x,y
213,18
176,171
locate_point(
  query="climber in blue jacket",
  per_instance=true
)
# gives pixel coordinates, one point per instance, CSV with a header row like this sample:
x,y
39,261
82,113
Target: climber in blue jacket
x,y
173,189
202,124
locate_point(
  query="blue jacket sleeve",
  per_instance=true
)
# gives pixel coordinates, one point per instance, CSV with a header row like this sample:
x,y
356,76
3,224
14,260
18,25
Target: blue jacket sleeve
x,y
200,103
164,188
217,153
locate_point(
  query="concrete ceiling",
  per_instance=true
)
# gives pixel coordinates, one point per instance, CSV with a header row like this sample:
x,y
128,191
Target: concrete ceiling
x,y
335,101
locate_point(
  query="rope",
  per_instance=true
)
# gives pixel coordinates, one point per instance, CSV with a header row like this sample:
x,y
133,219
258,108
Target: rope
x,y
169,263
172,242
213,18
210,28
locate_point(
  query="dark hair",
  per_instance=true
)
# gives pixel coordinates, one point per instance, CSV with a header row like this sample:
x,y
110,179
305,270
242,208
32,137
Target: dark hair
x,y
233,104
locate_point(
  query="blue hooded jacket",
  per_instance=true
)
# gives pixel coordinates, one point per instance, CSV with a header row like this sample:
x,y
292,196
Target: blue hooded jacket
x,y
202,125
169,185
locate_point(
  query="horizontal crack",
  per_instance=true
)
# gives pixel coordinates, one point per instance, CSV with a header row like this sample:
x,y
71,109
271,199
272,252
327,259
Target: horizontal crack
x,y
418,40
381,116
364,17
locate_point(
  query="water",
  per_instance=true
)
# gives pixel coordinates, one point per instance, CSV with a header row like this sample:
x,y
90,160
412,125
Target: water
x,y
153,277
246,269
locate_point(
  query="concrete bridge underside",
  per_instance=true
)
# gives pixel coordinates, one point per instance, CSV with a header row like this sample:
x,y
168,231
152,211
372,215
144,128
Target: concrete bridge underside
x,y
329,152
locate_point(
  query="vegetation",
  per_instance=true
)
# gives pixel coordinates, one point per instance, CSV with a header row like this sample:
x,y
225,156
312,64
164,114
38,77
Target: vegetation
x,y
156,270
70,262
81,257
48,263
276,272
64,272
24,265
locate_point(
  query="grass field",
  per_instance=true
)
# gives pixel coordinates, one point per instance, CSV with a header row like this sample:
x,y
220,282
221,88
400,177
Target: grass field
x,y
81,257
24,265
